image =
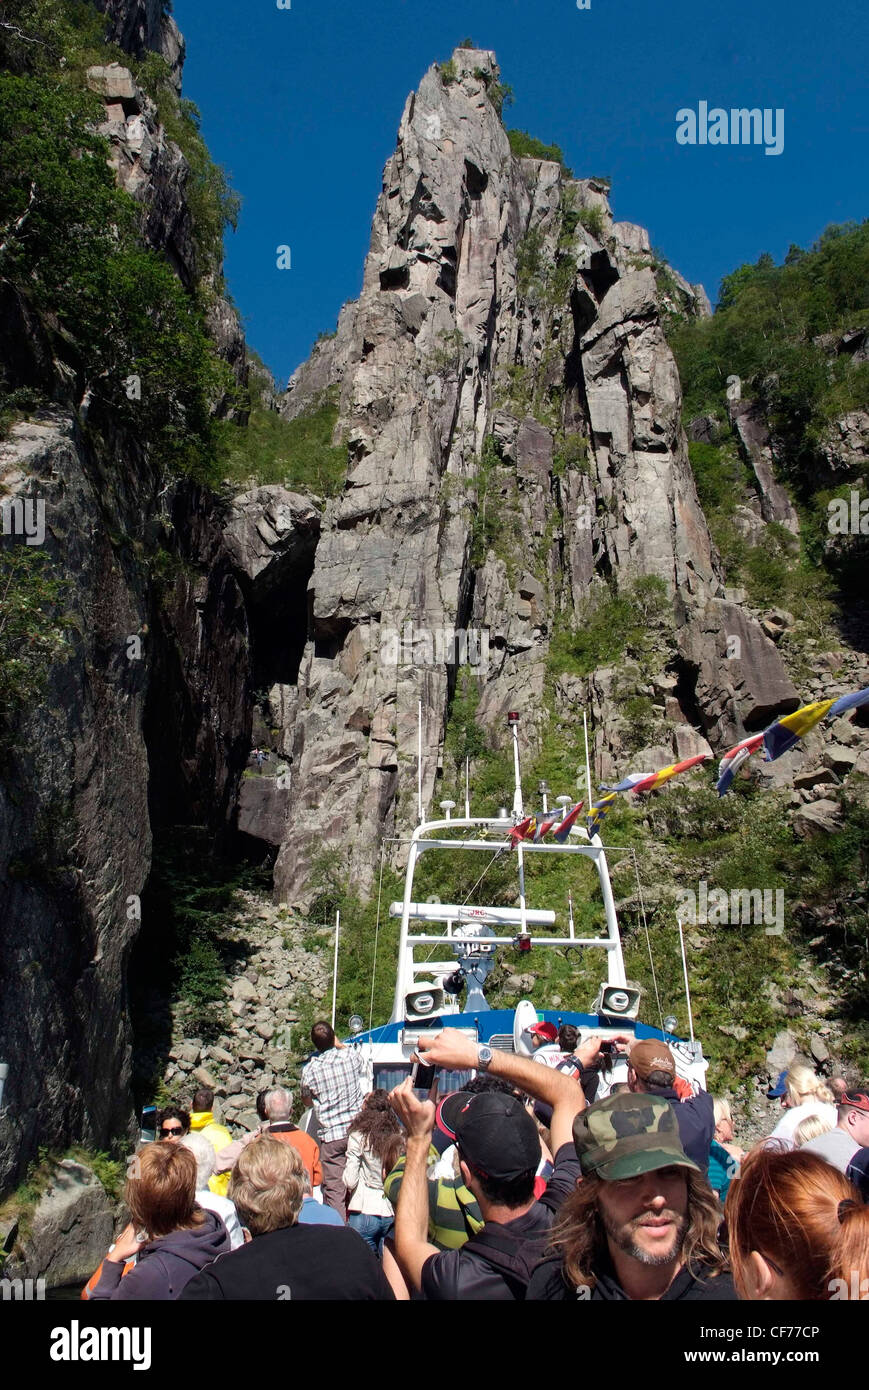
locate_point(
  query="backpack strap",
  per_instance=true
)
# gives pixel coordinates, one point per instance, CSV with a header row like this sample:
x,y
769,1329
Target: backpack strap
x,y
514,1257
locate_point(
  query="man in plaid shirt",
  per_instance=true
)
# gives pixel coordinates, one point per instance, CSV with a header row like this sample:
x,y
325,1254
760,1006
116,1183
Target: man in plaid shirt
x,y
334,1078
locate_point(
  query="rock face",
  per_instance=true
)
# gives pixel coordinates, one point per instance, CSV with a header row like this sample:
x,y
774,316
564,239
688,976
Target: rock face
x,y
512,416
142,26
752,430
71,1230
145,716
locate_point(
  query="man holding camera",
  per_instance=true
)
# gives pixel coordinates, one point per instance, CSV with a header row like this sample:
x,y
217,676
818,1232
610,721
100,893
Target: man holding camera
x,y
499,1150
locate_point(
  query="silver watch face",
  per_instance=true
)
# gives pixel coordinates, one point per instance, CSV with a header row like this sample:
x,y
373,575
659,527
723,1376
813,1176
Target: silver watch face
x,y
484,1055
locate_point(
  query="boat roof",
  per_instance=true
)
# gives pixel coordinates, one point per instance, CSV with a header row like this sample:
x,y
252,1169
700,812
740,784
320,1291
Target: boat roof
x,y
499,1022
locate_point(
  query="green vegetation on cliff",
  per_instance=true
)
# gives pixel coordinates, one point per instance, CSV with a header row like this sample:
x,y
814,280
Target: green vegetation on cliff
x,y
99,301
766,330
298,453
32,630
526,146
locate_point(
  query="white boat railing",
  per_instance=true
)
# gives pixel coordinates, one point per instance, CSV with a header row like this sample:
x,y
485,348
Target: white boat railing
x,y
425,837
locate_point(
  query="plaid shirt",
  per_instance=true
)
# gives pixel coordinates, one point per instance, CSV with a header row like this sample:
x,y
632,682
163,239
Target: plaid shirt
x,y
334,1078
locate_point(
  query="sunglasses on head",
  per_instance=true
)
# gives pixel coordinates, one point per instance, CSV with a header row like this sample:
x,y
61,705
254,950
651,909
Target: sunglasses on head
x,y
164,1132
858,1099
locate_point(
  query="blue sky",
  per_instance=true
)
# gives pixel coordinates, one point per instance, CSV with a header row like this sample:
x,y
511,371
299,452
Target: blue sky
x,y
302,107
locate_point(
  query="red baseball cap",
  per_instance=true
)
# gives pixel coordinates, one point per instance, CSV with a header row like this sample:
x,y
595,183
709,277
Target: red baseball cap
x,y
545,1030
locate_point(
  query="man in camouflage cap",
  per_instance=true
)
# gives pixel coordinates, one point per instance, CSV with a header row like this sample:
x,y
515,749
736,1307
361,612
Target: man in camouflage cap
x,y
643,1221
652,1071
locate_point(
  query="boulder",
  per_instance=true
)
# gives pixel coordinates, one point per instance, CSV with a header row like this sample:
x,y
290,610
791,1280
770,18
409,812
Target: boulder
x,y
70,1230
741,681
262,808
839,759
817,818
782,1053
115,83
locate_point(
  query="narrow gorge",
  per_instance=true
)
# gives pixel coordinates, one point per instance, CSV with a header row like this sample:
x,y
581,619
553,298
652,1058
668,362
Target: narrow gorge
x,y
503,453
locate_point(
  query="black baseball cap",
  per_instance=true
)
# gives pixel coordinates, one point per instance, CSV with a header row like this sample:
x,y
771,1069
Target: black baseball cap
x,y
494,1132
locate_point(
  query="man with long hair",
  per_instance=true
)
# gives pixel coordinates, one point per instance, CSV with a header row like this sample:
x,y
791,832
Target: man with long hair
x,y
643,1222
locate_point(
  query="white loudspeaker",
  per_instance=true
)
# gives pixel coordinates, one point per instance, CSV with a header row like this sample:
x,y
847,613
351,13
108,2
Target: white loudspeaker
x,y
424,1000
618,1001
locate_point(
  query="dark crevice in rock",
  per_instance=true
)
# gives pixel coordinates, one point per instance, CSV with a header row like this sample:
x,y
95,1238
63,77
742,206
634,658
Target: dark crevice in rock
x,y
476,181
601,274
447,279
686,673
395,278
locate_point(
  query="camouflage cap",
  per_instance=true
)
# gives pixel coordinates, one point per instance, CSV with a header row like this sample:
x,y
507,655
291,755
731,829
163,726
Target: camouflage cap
x,y
626,1135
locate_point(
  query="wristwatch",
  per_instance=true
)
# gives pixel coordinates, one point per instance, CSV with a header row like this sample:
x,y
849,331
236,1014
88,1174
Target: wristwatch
x,y
484,1057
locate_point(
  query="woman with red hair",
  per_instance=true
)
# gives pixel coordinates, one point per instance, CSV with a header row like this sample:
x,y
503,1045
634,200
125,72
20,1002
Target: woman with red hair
x,y
172,1237
798,1229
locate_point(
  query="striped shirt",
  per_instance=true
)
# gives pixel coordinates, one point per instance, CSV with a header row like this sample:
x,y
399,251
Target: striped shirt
x,y
453,1212
334,1078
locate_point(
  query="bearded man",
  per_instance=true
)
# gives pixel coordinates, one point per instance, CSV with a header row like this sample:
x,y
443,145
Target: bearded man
x,y
643,1222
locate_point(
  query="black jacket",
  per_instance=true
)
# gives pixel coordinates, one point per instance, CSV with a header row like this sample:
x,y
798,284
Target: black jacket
x,y
549,1284
501,1272
296,1263
696,1121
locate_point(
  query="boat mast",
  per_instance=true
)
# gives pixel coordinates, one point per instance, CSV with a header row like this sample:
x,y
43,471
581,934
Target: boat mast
x,y
419,763
519,814
615,958
687,987
335,967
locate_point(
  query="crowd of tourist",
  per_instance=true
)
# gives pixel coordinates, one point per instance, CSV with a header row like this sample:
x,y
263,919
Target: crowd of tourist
x,y
523,1185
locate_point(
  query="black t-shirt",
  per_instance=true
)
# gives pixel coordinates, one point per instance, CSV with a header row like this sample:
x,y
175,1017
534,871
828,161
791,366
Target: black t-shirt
x,y
549,1283
297,1263
467,1274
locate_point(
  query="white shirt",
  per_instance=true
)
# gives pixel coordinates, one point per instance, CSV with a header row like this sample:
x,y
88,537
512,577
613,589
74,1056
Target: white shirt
x,y
784,1130
225,1209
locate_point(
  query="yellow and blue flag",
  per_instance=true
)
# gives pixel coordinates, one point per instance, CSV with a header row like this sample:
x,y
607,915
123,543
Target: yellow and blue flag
x,y
786,732
598,811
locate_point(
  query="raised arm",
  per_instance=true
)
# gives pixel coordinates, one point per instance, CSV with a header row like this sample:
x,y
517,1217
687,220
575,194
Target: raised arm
x,y
453,1050
412,1247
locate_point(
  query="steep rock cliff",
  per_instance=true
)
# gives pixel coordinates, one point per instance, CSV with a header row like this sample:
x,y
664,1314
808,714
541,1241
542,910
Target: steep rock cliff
x,y
512,415
143,719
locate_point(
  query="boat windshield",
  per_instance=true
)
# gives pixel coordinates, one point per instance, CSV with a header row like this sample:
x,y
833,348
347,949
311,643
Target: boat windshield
x,y
390,1074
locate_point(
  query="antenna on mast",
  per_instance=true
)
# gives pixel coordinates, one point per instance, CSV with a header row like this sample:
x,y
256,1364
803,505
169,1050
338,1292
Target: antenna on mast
x,y
687,987
590,798
419,762
513,721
